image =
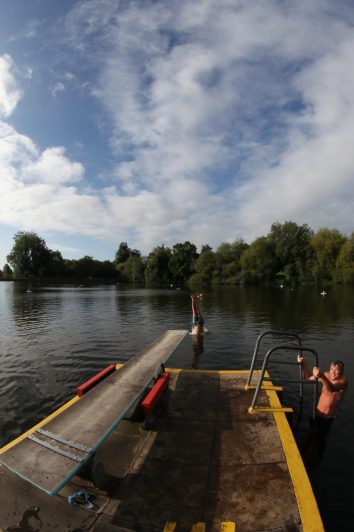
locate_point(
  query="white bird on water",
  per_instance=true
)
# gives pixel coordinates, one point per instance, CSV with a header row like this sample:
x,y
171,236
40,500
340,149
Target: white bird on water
x,y
323,293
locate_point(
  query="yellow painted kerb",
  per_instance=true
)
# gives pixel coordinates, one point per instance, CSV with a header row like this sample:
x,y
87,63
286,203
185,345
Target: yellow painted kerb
x,y
198,527
44,421
228,526
169,526
40,424
309,513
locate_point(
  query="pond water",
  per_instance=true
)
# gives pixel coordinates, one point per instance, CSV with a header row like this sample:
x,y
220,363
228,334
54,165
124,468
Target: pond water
x,y
54,337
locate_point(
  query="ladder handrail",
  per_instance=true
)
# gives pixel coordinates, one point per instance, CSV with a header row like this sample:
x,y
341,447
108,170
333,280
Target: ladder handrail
x,y
260,337
264,368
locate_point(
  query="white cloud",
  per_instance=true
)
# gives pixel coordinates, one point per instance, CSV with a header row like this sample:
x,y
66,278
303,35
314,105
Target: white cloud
x,y
225,117
69,76
196,91
52,166
9,92
58,87
65,250
315,175
30,31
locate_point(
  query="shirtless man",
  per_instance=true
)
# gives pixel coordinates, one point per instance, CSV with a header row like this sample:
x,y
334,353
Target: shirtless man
x,y
198,320
334,386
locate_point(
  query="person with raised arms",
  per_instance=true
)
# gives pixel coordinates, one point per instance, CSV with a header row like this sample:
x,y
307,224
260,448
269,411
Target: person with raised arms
x,y
334,386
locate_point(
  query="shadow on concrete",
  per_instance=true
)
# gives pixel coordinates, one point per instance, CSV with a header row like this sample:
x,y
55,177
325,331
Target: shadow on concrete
x,y
207,460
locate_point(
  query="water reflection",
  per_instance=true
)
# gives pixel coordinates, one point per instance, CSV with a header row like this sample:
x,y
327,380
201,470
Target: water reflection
x,y
312,442
28,307
198,349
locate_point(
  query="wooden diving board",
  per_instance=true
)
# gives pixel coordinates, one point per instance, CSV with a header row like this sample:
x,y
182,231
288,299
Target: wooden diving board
x,y
51,455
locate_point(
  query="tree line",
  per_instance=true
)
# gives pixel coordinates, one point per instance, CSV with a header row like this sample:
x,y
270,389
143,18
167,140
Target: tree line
x,y
288,254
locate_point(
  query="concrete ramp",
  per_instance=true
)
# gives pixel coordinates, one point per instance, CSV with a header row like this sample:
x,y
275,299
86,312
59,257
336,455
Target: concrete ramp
x,y
50,456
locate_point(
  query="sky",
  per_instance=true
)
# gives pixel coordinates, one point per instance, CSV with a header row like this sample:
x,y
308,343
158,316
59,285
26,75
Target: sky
x,y
155,122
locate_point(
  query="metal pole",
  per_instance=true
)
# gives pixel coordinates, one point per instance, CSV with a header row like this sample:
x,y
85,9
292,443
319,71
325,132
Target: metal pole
x,y
274,333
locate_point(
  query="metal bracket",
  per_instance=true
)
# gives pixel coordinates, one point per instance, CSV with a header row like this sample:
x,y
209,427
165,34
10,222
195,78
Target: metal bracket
x,y
55,448
60,439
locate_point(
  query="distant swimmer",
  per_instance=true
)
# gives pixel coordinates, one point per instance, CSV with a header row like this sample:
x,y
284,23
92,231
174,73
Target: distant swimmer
x,y
197,320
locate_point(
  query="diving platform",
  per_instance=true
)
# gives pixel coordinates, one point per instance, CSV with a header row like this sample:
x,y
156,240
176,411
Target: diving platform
x,y
51,454
207,464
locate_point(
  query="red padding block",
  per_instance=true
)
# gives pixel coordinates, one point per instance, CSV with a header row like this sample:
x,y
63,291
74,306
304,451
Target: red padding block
x,y
155,393
81,390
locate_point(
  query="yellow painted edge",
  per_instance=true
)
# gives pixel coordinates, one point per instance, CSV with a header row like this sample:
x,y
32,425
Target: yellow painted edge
x,y
40,424
228,526
309,513
44,421
198,527
169,526
269,409
265,387
215,371
76,398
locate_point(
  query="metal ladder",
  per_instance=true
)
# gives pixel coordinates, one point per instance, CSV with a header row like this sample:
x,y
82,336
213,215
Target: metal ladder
x,y
262,383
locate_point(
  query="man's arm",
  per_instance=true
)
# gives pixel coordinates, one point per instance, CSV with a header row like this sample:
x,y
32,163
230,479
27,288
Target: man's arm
x,y
329,386
307,373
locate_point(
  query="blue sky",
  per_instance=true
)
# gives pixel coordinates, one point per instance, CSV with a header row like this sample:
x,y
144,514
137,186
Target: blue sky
x,y
156,122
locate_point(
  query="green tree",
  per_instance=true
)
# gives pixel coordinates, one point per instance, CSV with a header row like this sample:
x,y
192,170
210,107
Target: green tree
x,y
206,247
344,272
157,266
85,267
228,265
133,268
129,264
181,263
326,245
55,264
345,262
123,253
29,255
7,272
69,267
292,249
106,269
258,262
204,268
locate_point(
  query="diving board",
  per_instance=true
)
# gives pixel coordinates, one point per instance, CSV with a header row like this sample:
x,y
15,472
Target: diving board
x,y
51,455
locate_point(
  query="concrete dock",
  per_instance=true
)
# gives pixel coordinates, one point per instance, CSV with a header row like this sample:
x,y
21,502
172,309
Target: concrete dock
x,y
207,464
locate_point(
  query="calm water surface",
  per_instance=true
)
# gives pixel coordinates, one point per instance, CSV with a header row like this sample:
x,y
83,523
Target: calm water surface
x,y
53,338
